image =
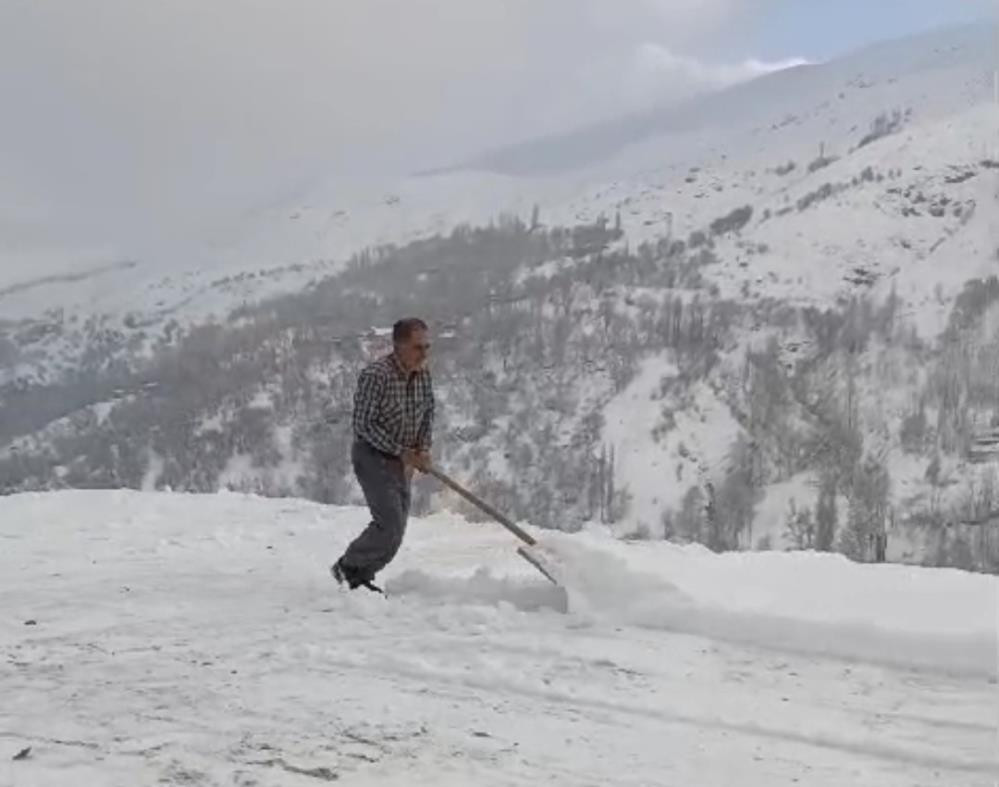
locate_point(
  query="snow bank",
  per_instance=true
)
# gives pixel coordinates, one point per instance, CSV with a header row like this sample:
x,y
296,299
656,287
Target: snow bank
x,y
804,602
811,603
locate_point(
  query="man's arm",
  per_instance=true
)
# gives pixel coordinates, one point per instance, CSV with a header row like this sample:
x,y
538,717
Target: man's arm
x,y
369,394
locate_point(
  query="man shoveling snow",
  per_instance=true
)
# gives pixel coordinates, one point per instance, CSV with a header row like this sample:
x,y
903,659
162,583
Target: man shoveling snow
x,y
393,431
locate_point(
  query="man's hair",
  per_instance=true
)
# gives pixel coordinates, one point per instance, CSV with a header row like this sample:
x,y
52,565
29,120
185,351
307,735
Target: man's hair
x,y
405,328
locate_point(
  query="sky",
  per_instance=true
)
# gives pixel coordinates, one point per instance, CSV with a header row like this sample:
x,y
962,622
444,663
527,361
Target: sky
x,y
822,30
131,120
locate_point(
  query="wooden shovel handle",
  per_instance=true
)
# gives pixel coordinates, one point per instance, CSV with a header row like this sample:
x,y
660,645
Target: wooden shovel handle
x,y
509,525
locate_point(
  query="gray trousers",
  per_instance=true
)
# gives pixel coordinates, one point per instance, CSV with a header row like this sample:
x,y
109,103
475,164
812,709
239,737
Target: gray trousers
x,y
387,491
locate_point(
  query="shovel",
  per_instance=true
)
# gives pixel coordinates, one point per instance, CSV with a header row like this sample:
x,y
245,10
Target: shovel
x,y
519,532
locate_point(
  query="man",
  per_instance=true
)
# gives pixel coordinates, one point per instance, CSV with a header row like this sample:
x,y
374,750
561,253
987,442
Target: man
x,y
393,430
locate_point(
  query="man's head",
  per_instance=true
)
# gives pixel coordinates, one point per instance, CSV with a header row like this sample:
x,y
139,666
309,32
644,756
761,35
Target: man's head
x,y
412,345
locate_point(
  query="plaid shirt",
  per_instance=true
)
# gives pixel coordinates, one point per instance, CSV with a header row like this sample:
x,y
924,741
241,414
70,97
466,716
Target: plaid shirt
x,y
393,411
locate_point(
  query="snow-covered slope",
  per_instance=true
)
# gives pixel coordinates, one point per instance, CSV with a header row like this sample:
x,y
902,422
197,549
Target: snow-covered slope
x,y
154,638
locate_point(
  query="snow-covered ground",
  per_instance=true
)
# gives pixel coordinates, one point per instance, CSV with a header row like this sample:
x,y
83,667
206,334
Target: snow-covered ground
x,y
180,639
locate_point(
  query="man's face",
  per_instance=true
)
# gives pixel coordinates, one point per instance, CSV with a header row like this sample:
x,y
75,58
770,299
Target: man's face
x,y
414,351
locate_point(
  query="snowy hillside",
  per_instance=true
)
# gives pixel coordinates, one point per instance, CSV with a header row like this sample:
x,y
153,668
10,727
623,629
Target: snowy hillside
x,y
764,319
155,638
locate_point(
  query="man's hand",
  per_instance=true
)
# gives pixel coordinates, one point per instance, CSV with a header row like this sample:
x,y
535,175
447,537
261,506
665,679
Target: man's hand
x,y
419,459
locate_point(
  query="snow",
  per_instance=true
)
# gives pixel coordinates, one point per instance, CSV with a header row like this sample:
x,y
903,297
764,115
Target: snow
x,y
629,418
291,466
804,602
261,401
213,423
102,410
153,472
238,472
771,515
199,639
658,472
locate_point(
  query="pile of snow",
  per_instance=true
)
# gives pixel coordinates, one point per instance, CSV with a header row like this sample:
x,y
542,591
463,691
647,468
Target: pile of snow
x,y
804,602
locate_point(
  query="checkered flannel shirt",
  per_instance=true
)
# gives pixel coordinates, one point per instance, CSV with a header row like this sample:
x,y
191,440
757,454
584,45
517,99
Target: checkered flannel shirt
x,y
392,410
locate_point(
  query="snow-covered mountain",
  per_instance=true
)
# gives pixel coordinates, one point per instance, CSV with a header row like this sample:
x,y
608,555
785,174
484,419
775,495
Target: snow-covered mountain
x,y
686,162
711,321
188,639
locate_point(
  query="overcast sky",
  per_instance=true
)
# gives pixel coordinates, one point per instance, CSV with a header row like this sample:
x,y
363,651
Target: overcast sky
x,y
121,116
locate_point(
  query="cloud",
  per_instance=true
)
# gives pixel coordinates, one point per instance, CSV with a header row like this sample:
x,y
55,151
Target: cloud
x,y
658,73
130,119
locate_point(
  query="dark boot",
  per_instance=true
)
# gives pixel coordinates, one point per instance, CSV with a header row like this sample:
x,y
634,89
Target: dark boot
x,y
342,573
